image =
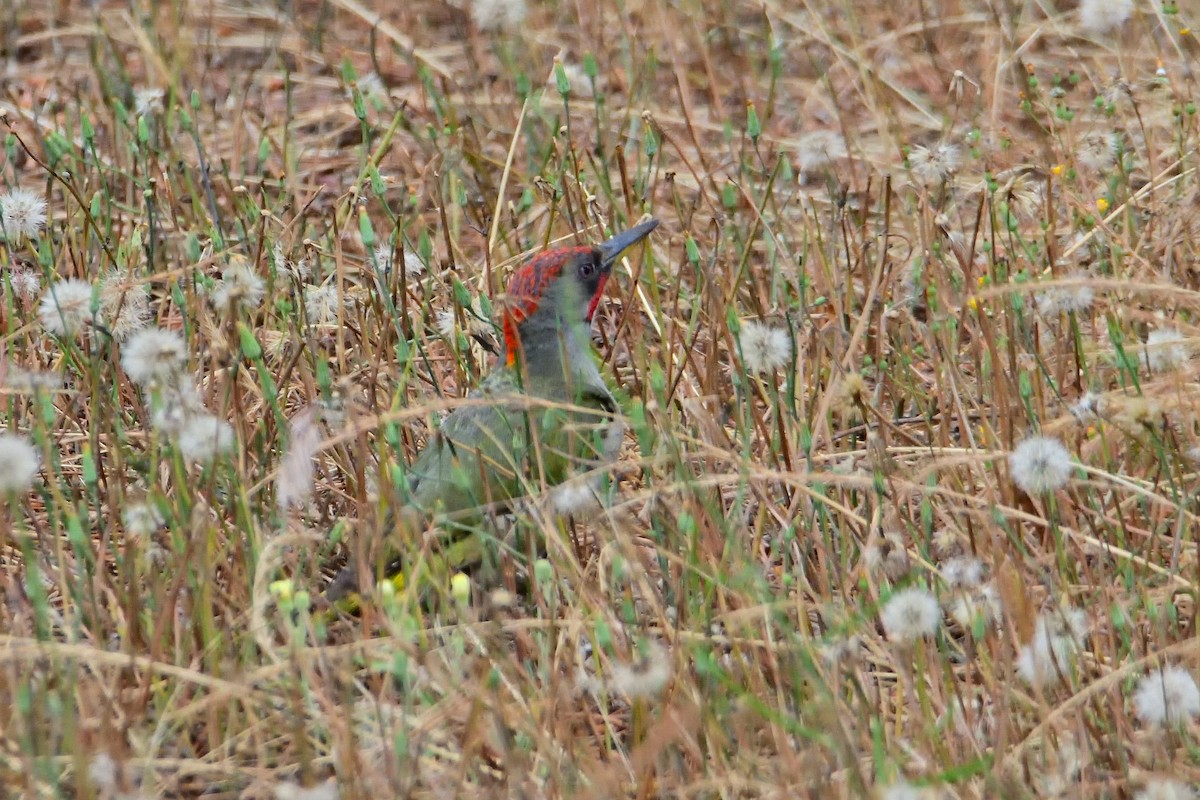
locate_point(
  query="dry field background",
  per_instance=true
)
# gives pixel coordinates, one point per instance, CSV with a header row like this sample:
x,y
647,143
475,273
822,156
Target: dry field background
x,y
907,504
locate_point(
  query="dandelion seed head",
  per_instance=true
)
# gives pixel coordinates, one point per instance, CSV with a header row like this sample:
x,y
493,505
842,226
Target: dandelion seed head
x,y
413,265
19,379
973,716
1056,636
1098,150
839,649
22,214
66,307
765,348
577,79
371,86
153,355
962,572
102,770
910,614
888,554
240,287
574,498
278,258
1167,697
1026,197
446,323
147,100
645,677
296,472
124,304
142,520
1087,407
495,15
19,463
286,790
1101,16
203,437
902,790
321,304
935,164
1060,769
382,258
1040,465
1165,789
969,606
25,283
818,149
1166,349
1066,299
172,403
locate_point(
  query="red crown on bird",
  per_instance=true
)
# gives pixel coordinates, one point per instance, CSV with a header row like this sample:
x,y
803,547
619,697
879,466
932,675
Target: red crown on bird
x,y
590,265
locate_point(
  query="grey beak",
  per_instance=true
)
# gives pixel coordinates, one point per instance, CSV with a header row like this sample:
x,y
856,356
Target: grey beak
x,y
610,250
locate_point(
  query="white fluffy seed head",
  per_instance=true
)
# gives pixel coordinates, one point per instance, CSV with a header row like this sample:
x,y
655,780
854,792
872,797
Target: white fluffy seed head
x,y
102,770
646,676
153,355
1087,407
321,304
934,164
319,791
1098,150
147,100
124,303
910,614
202,437
1167,697
19,463
142,520
22,214
574,498
173,403
1101,16
1056,636
1166,349
818,149
496,15
1165,789
969,607
240,287
1074,299
25,283
66,307
1040,465
765,348
962,572
902,790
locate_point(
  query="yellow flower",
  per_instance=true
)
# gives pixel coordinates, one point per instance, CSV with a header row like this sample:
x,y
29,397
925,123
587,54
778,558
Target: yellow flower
x,y
282,589
1102,204
973,303
1057,169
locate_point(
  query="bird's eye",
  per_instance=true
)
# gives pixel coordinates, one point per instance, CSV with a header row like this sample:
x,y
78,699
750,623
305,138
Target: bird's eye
x,y
587,269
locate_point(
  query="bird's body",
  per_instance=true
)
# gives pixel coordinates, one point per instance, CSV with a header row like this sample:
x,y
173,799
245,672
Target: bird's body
x,y
541,415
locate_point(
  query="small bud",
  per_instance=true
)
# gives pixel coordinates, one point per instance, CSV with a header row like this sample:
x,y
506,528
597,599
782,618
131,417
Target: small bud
x,y
460,588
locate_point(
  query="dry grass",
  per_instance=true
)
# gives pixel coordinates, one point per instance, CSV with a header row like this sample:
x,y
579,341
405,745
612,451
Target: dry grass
x,y
966,216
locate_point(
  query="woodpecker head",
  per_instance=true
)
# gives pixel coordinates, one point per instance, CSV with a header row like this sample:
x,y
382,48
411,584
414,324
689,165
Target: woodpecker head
x,y
563,286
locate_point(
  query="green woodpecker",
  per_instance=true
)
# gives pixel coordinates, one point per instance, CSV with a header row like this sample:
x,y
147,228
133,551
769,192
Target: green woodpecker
x,y
543,414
